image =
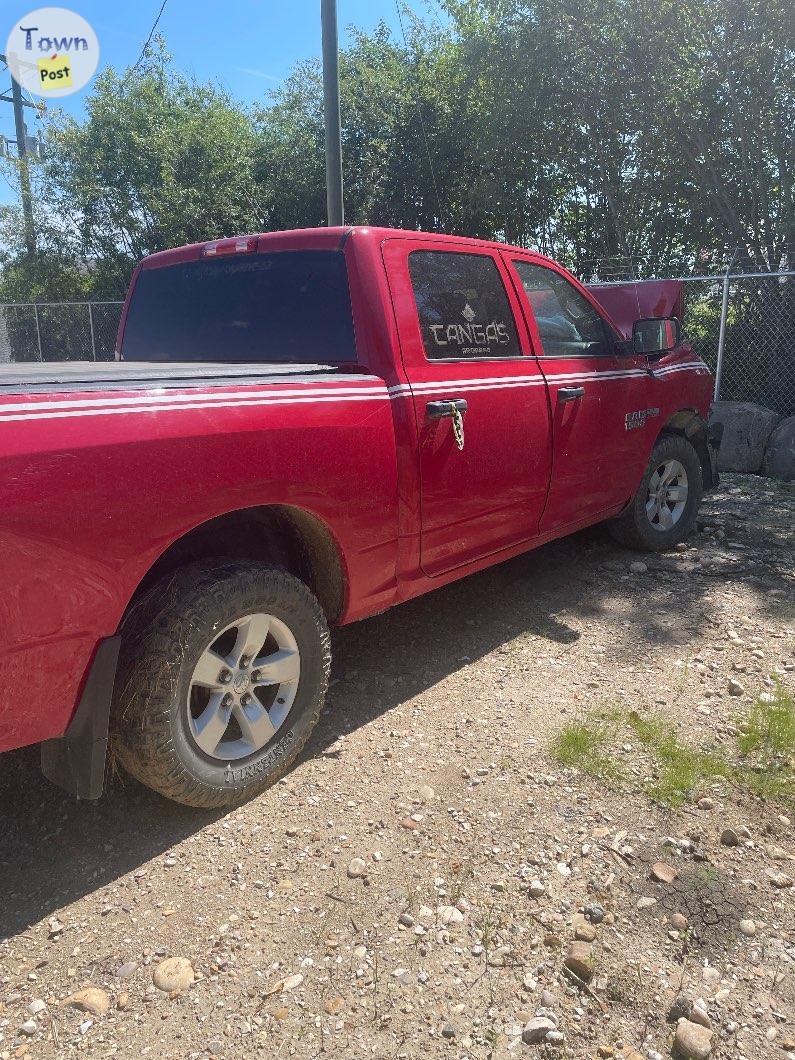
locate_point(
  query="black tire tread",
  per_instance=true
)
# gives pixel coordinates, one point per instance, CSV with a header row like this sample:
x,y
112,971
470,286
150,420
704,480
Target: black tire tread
x,y
141,738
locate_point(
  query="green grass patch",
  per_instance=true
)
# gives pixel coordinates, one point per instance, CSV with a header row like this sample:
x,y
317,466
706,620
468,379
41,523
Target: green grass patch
x,y
770,726
586,745
765,765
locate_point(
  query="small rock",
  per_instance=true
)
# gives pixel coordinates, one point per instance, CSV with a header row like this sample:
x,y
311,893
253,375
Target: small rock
x,y
92,999
729,838
537,889
127,969
681,1007
333,1005
357,868
448,914
663,872
36,1006
174,973
748,928
448,1031
585,932
548,999
579,959
292,982
779,879
735,688
30,1027
692,1041
555,1038
638,567
706,804
406,919
123,1001
679,922
594,912
646,903
537,1029
700,1016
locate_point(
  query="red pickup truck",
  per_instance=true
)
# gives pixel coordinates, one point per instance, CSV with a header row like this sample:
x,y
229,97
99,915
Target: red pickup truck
x,y
303,429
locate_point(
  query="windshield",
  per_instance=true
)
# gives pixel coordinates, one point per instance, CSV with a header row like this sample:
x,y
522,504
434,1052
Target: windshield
x,y
290,306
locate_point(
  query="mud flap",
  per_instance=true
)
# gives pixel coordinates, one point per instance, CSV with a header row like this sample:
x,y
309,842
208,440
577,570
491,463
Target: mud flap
x,y
76,760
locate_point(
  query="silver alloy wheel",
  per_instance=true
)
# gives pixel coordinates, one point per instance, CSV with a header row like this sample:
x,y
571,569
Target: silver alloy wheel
x,y
667,496
243,687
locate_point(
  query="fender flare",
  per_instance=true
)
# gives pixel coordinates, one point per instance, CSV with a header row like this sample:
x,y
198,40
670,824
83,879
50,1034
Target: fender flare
x,y
705,439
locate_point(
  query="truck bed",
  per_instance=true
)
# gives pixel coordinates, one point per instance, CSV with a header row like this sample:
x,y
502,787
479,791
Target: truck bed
x,y
134,375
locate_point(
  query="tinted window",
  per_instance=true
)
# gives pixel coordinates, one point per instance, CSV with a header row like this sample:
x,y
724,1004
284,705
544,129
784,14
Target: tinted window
x,y
462,306
290,306
568,324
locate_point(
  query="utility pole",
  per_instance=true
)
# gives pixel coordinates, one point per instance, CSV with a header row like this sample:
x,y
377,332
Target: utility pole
x,y
331,112
22,152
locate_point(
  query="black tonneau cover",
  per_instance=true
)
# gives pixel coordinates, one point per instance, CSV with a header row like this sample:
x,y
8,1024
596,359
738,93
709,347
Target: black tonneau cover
x,y
122,375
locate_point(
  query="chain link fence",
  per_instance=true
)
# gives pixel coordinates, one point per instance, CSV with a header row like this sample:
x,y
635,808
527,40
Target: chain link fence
x,y
58,331
742,325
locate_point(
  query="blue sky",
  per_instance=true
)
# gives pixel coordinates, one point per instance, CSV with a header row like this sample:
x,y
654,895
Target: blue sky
x,y
249,45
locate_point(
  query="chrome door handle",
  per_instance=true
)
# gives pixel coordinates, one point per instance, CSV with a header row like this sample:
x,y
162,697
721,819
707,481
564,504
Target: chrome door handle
x,y
436,409
571,393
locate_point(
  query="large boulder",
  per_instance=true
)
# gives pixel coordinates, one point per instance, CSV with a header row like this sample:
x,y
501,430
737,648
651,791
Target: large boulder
x,y
779,461
746,431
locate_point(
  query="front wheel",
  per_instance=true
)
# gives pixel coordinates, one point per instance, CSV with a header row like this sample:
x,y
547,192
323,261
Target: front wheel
x,y
222,675
663,511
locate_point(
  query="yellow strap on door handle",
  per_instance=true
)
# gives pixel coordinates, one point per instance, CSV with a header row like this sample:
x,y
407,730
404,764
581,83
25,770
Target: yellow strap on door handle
x,y
458,425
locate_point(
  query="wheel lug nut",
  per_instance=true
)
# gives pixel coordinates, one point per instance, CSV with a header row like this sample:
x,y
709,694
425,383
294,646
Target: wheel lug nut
x,y
227,700
245,699
256,675
244,661
225,677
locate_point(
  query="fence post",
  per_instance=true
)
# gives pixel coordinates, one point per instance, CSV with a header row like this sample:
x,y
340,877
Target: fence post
x,y
91,325
38,329
724,312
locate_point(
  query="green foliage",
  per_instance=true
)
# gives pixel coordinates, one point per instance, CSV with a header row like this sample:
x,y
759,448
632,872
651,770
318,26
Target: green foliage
x,y
770,727
586,746
601,130
766,742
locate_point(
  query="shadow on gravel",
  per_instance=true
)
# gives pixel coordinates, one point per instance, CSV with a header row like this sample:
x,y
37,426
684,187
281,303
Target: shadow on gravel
x,y
54,850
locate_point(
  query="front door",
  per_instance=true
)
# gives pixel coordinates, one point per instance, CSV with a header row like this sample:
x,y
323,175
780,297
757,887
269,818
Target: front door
x,y
479,398
597,396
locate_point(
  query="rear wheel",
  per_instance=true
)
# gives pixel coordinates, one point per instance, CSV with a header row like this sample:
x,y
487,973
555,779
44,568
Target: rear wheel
x,y
221,679
663,511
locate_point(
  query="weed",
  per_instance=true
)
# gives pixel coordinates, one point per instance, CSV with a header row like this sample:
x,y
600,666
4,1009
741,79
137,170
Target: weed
x,y
583,745
770,727
767,744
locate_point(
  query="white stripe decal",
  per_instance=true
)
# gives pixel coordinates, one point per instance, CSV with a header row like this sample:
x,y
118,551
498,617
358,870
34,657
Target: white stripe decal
x,y
174,408
161,402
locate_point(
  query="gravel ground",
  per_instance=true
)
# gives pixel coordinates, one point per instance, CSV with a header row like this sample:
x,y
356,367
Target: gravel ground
x,y
414,886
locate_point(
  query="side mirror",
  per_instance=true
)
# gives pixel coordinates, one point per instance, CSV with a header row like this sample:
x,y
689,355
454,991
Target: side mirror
x,y
656,334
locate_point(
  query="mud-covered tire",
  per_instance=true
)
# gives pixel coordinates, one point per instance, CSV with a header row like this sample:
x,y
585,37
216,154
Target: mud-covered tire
x,y
163,636
634,528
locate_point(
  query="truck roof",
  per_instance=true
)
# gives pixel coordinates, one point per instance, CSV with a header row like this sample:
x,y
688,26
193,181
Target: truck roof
x,y
317,238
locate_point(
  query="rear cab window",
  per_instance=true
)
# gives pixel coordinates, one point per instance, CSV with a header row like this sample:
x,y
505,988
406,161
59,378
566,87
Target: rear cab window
x,y
286,306
463,309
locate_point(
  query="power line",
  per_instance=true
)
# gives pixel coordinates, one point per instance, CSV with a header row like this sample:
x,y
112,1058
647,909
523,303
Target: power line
x,y
442,215
149,38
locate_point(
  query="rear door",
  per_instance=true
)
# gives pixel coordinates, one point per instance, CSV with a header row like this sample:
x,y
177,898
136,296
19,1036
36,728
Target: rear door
x,y
594,394
463,341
